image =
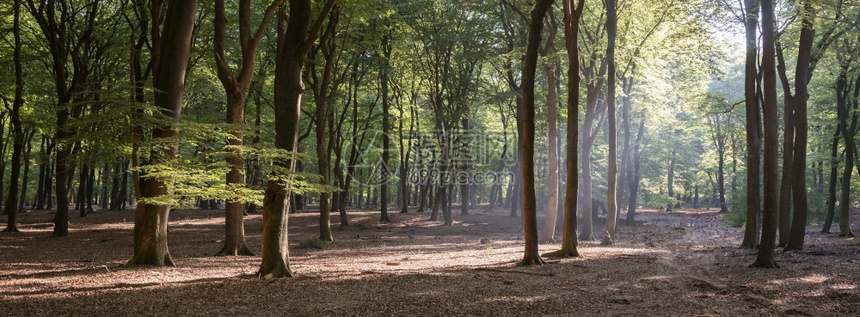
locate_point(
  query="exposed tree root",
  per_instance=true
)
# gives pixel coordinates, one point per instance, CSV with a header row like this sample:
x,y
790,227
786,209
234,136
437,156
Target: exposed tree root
x,y
535,260
562,253
235,250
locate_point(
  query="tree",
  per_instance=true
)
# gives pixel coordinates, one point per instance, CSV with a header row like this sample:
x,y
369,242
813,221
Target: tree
x,y
18,135
717,121
572,15
236,87
801,130
753,126
844,102
612,177
67,38
593,67
549,69
531,256
150,221
294,43
771,140
324,86
809,53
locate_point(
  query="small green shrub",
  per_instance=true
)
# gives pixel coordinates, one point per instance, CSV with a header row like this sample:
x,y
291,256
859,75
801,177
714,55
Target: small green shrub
x,y
314,243
737,215
657,201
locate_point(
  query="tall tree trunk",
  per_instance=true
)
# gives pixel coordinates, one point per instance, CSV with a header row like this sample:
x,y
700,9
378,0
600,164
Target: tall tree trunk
x,y
831,187
753,127
633,178
771,141
40,189
571,28
612,168
386,127
323,90
848,130
549,68
25,176
464,167
530,254
49,196
294,43
801,130
670,181
115,198
10,207
236,87
150,225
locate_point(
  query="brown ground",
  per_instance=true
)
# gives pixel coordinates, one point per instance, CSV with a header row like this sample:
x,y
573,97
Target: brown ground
x,y
685,263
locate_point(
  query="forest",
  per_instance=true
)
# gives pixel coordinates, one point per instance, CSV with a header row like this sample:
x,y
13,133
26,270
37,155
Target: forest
x,y
427,157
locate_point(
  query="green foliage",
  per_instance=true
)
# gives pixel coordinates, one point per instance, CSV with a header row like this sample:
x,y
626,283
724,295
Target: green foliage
x,y
657,200
199,174
738,213
313,243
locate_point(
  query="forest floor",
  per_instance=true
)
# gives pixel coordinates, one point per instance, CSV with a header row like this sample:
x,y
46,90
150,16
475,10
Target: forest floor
x,y
683,263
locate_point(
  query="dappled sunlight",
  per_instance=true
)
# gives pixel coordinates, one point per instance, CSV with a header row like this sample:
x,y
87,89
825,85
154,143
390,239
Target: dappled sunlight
x,y
527,299
473,262
844,287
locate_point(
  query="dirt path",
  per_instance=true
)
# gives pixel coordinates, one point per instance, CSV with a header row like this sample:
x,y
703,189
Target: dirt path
x,y
684,263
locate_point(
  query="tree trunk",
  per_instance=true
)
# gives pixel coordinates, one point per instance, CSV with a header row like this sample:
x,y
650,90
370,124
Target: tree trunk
x,y
83,179
633,177
386,127
571,27
848,130
43,166
10,206
771,141
150,226
293,45
530,234
549,68
612,168
236,87
801,130
831,187
464,167
753,127
26,174
670,181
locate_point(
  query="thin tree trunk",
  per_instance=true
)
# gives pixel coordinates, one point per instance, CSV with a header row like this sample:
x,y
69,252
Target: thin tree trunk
x,y
633,178
831,187
612,168
549,68
26,174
